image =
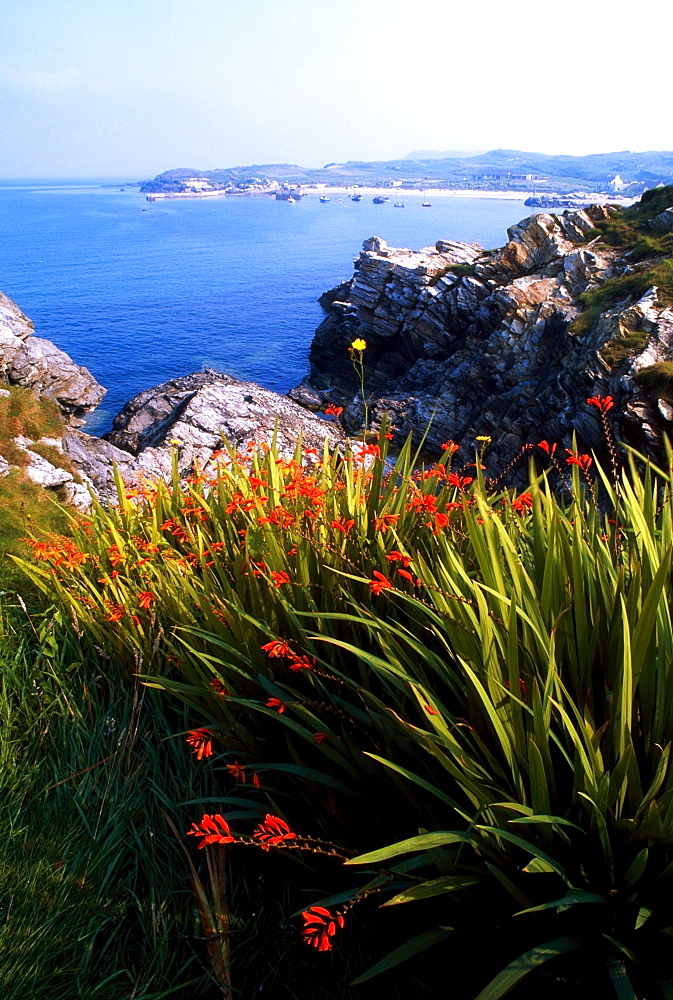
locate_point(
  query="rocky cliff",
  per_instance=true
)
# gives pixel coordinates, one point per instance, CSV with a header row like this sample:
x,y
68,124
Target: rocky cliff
x,y
499,343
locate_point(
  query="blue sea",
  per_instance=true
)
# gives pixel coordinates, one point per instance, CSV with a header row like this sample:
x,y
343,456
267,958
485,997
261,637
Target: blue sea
x,y
141,292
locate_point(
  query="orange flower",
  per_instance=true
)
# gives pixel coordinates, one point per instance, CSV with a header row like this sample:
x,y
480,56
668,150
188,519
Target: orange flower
x,y
522,503
603,403
334,411
302,663
277,648
201,742
319,927
237,771
214,829
449,446
549,448
381,582
277,704
385,521
272,832
344,526
280,578
145,598
396,556
584,461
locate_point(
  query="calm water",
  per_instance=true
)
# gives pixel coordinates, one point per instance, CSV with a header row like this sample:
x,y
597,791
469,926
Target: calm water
x,y
140,292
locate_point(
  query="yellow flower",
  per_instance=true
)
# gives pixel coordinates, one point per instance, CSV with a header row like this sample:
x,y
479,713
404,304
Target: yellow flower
x,y
359,344
176,441
483,437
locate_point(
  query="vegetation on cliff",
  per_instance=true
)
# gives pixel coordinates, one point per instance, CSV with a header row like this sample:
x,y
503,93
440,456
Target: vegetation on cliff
x,y
460,690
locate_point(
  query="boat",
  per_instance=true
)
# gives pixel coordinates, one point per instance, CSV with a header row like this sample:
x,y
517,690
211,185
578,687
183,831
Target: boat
x,y
324,198
356,197
380,200
426,204
291,200
398,204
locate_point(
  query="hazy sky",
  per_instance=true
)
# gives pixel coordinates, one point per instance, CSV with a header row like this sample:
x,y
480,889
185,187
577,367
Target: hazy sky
x,y
134,87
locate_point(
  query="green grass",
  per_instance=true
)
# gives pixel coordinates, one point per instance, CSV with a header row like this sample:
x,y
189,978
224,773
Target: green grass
x,y
657,379
626,229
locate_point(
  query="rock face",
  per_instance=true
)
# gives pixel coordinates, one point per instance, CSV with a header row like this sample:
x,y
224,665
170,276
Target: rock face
x,y
196,412
39,365
479,342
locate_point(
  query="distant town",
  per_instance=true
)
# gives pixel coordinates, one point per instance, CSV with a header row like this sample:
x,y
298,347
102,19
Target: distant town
x,y
544,179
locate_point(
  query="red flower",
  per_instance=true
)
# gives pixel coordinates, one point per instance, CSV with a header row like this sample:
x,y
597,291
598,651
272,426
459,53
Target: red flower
x,y
334,411
277,648
344,526
277,704
272,832
603,403
381,582
319,927
237,771
450,446
408,576
522,503
584,461
396,556
385,521
214,830
302,663
320,737
430,710
218,687
549,448
280,578
145,598
201,742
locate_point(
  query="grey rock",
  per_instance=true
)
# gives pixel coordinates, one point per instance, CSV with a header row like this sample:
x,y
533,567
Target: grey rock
x,y
4,467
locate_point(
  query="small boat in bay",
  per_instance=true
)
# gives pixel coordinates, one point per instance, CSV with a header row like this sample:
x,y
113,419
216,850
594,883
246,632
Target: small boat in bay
x,y
356,197
324,198
379,200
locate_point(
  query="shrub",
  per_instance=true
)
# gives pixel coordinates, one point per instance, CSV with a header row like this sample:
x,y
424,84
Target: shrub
x,y
386,650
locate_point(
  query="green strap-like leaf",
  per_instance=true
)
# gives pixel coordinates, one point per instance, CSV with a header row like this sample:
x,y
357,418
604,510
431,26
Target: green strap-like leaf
x,y
620,980
521,966
424,842
413,947
435,887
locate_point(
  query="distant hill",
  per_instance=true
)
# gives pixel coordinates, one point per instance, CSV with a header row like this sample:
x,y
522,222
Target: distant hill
x,y
623,172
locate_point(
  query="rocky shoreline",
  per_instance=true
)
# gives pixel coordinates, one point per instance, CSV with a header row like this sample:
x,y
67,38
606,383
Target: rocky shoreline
x,y
462,341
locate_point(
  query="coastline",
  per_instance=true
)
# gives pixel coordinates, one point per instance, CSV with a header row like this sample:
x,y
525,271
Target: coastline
x,y
592,198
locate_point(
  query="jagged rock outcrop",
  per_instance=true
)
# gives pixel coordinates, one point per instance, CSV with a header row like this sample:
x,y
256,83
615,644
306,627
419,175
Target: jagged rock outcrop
x,y
480,343
40,366
197,412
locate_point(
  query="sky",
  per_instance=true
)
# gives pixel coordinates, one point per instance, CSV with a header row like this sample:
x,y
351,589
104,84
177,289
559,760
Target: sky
x,y
129,88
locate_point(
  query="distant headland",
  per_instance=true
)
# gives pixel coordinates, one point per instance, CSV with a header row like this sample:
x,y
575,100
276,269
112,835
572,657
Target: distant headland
x,y
498,173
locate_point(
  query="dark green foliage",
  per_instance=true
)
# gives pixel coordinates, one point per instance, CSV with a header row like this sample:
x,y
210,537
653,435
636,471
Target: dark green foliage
x,y
657,379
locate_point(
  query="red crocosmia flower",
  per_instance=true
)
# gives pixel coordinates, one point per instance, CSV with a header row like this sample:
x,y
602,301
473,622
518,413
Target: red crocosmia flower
x,y
280,578
603,403
319,927
396,556
310,451
256,782
237,771
277,648
344,526
584,461
334,411
380,583
460,482
201,742
522,503
408,576
549,448
430,710
450,446
277,704
302,663
272,832
320,737
214,830
218,687
145,598
385,521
